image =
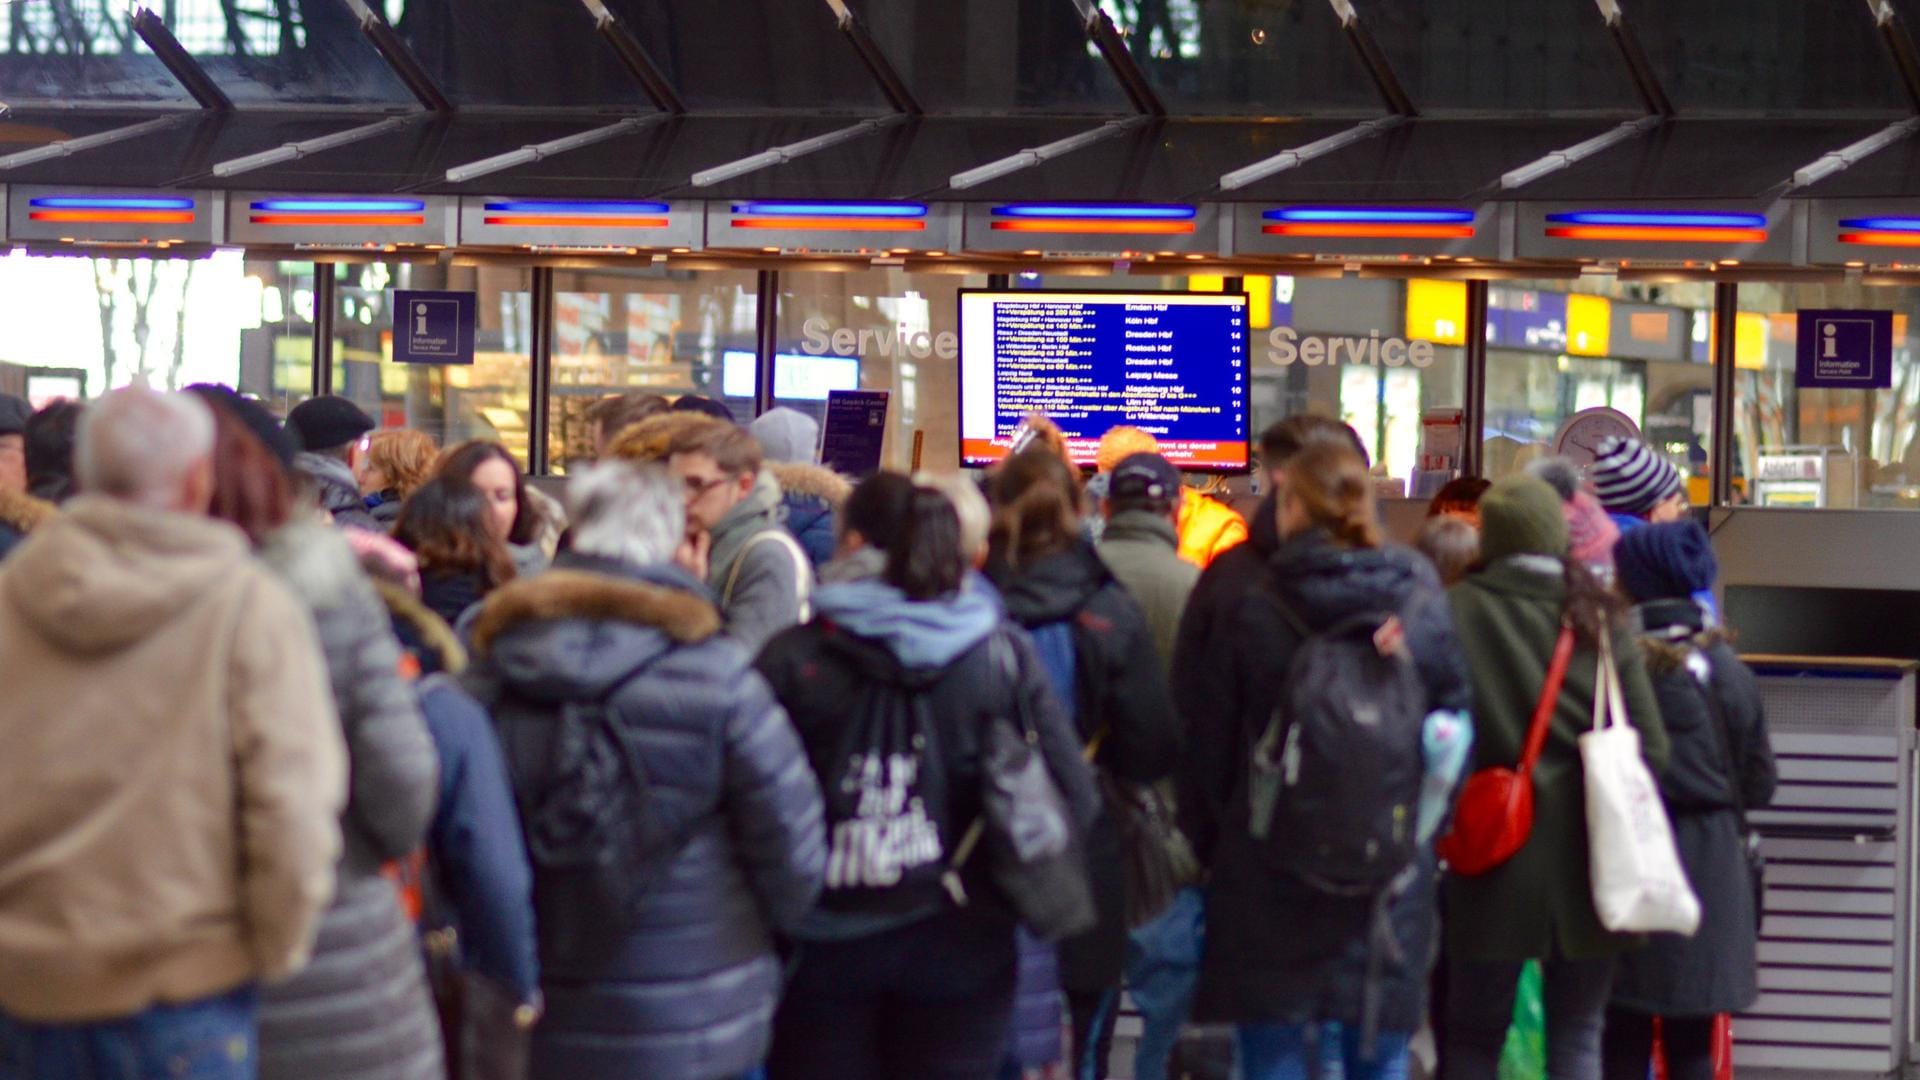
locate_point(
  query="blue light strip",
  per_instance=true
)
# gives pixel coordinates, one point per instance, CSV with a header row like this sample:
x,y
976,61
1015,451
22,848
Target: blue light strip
x,y
1349,215
1883,224
831,209
109,202
1678,219
341,206
1098,211
579,206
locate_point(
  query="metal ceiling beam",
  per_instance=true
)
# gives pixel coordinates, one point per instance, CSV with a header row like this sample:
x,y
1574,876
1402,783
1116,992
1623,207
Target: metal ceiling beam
x,y
1113,49
294,151
1032,156
527,155
1645,80
1580,151
395,53
179,63
1900,47
635,58
882,70
70,147
780,155
1378,67
1847,156
1300,155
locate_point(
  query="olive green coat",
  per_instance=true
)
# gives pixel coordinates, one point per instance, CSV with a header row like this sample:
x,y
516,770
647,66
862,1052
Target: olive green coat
x,y
1539,904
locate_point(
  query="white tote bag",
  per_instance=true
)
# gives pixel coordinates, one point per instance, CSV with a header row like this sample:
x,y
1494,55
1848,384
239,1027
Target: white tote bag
x,y
1639,885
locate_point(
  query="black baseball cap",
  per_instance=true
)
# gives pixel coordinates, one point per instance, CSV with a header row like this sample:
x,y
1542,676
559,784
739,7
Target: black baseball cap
x,y
1144,476
324,422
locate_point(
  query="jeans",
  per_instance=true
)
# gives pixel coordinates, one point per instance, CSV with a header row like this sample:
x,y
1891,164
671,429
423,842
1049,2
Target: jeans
x,y
211,1039
1480,1009
1163,969
1287,1052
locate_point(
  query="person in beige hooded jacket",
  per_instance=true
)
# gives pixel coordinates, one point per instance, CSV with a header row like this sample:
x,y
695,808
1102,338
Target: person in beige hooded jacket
x,y
174,771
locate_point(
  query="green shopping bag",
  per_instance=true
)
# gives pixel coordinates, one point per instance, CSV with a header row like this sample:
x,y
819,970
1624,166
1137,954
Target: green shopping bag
x,y
1525,1055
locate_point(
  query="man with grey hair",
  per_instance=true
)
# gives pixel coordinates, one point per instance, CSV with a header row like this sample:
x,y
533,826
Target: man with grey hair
x,y
662,880
174,769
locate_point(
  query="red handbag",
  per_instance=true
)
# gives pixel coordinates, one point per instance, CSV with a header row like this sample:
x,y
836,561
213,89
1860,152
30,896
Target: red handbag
x,y
1494,815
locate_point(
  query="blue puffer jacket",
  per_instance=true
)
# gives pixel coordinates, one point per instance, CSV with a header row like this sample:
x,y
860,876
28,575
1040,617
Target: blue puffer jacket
x,y
676,979
813,495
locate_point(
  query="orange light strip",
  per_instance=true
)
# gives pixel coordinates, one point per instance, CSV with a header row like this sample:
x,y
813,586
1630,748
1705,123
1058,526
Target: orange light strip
x,y
338,219
124,217
1082,225
1372,232
831,224
1882,238
1642,233
578,221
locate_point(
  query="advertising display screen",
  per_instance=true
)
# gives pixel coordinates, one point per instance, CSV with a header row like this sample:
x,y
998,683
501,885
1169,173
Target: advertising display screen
x,y
1171,364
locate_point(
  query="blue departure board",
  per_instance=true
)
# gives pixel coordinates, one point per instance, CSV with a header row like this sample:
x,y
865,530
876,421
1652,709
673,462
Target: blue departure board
x,y
1172,364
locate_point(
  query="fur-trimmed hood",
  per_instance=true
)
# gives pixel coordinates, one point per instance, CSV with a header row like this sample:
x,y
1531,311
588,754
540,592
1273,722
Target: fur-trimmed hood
x,y
420,629
588,625
815,481
22,512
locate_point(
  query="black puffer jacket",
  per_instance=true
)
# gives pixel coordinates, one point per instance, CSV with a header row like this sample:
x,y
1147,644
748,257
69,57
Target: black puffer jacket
x,y
360,1009
1713,971
1206,628
1277,950
682,983
1123,698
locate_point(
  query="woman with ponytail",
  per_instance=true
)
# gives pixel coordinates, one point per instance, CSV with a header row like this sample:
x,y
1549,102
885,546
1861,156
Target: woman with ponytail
x,y
1289,956
1099,651
1539,904
901,975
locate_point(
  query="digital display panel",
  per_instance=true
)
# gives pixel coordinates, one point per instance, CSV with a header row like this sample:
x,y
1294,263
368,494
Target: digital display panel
x,y
1172,364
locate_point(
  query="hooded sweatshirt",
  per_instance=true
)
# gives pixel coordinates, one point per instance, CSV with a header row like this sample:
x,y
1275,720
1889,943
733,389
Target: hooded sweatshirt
x,y
174,768
921,634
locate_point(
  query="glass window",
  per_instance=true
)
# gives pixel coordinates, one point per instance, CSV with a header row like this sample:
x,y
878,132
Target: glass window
x,y
1559,348
1383,356
886,312
649,329
101,323
1825,447
490,399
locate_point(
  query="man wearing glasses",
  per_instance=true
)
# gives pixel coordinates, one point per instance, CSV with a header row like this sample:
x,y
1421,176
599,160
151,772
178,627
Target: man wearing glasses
x,y
736,540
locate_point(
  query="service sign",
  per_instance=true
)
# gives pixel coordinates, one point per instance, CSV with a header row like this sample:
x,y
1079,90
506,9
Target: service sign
x,y
433,327
1842,349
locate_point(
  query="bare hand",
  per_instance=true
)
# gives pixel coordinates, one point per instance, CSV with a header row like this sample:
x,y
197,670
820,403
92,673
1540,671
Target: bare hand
x,y
694,552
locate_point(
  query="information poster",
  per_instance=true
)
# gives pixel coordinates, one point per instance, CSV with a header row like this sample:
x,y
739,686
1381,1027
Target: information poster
x,y
433,327
855,432
1839,349
1172,364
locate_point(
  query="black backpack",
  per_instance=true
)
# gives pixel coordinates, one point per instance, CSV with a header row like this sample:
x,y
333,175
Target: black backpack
x,y
885,795
1336,774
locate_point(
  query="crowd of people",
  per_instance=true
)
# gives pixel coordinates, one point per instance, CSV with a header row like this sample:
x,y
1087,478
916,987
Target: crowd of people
x,y
335,754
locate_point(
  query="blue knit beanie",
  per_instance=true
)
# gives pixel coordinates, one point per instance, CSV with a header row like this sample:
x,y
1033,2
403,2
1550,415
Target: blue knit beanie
x,y
1659,562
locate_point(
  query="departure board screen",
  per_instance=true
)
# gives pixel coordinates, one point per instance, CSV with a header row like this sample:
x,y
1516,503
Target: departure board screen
x,y
1172,364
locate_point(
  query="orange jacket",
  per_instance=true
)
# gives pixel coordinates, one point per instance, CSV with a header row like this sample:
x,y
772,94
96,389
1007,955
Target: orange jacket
x,y
1208,527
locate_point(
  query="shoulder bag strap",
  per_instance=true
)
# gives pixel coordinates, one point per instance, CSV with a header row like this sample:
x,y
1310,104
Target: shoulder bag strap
x,y
1549,700
803,569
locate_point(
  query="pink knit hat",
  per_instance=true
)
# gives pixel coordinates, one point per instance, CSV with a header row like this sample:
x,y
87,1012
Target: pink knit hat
x,y
1591,533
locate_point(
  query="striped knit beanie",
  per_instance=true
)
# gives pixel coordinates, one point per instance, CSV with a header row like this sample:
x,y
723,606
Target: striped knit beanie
x,y
1630,478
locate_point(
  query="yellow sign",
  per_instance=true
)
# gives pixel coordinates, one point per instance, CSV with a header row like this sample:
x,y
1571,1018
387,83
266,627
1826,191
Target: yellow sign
x,y
1750,341
1589,324
1259,301
1437,311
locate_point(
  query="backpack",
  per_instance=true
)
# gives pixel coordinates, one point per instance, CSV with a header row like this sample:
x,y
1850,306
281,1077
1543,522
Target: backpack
x,y
1336,774
1054,642
885,796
